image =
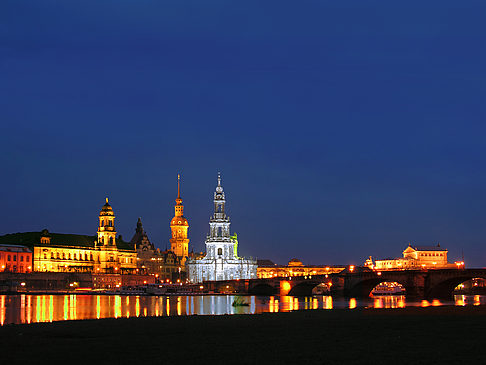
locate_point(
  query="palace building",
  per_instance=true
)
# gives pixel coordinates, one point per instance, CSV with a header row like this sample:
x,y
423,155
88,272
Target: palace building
x,y
418,257
295,267
221,261
57,252
179,243
166,265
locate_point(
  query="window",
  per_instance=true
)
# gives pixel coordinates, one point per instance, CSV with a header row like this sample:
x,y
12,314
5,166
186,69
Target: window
x,y
220,251
22,258
8,258
15,257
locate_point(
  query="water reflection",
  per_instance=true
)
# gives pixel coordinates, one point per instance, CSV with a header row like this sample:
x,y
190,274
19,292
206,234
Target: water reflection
x,y
48,308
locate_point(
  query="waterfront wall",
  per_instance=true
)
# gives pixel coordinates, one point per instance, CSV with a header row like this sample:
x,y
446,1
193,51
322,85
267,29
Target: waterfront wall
x,y
68,281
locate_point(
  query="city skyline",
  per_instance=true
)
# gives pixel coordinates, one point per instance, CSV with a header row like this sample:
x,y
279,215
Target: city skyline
x,y
342,130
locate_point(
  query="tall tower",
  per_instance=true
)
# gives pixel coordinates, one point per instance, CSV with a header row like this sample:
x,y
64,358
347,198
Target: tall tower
x,y
179,243
106,228
219,244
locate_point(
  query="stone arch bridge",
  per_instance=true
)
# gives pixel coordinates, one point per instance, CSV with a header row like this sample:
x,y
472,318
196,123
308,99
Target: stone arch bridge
x,y
424,284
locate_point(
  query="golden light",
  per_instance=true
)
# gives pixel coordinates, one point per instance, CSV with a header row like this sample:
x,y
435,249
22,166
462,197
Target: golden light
x,y
351,268
378,273
22,284
201,287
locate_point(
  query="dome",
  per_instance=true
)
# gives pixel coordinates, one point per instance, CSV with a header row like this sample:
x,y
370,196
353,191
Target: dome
x,y
179,221
295,262
106,209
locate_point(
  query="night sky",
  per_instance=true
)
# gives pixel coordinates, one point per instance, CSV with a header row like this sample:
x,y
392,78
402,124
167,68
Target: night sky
x,y
342,129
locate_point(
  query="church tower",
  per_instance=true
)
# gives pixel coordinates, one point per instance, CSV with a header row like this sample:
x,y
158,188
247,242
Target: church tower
x,y
179,242
106,228
220,244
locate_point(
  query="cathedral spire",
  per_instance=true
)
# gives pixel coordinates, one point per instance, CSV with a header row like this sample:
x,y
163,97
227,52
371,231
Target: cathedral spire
x,y
178,186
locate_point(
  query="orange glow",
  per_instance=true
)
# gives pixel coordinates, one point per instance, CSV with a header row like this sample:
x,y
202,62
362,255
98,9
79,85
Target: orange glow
x,y
425,303
351,268
436,303
352,303
378,273
285,287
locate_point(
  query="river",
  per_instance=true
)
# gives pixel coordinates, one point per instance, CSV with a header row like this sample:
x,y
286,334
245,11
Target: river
x,y
48,308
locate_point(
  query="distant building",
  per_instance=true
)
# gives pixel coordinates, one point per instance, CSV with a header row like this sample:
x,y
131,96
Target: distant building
x,y
295,267
221,261
164,264
419,257
15,258
58,252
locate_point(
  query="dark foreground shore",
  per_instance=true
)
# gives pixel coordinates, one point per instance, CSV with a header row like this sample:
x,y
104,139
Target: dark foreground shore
x,y
433,335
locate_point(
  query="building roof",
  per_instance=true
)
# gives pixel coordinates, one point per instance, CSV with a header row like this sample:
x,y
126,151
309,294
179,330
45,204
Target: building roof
x,y
14,248
31,239
429,248
263,263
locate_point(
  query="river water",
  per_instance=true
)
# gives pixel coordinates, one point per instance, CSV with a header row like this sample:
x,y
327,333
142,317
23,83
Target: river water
x,y
47,308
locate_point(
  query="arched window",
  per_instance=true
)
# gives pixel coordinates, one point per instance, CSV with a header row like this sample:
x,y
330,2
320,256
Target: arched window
x,y
220,251
111,240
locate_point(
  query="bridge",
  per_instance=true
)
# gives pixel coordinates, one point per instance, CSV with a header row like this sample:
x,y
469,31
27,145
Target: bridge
x,y
424,284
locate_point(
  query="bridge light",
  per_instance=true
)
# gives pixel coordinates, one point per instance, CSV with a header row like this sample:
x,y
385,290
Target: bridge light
x,y
351,268
378,273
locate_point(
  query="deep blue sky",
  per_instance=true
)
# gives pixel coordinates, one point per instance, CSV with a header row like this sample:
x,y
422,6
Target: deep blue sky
x,y
342,128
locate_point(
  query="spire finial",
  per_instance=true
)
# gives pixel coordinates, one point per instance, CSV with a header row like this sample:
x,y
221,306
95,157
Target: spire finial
x,y
106,200
219,178
178,186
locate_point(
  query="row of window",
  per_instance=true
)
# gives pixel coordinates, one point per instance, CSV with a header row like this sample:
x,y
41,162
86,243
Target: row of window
x,y
14,258
63,256
431,254
107,222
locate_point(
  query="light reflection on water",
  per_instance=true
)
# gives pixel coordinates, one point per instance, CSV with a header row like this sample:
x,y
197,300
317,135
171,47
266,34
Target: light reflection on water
x,y
47,308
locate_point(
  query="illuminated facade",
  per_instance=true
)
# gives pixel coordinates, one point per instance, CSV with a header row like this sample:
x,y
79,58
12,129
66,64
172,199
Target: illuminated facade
x,y
221,261
179,243
56,252
166,265
15,258
267,269
420,257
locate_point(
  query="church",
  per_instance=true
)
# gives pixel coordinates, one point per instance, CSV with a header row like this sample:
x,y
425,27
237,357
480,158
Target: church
x,y
221,261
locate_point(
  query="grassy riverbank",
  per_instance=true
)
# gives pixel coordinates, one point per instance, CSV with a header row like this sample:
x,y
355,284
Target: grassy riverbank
x,y
433,335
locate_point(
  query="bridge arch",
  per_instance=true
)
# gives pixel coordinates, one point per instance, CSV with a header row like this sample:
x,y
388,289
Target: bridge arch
x,y
263,289
444,289
363,288
306,288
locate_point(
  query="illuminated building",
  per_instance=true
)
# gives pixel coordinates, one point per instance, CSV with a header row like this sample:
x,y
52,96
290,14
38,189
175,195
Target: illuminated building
x,y
295,267
179,243
15,258
151,260
57,252
221,261
420,257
